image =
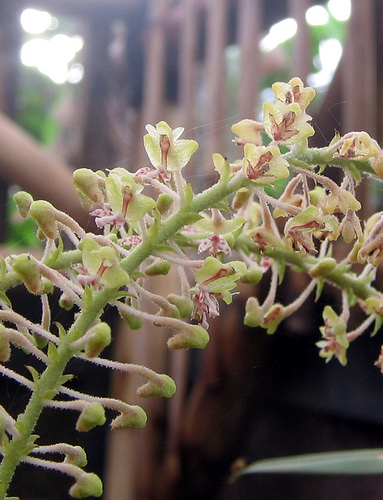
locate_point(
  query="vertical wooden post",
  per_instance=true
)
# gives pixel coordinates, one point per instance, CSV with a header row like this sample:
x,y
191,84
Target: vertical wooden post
x,y
187,63
9,60
217,11
249,26
301,44
155,61
359,79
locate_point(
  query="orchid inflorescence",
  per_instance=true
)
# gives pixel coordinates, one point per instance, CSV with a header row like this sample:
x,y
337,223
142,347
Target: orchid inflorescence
x,y
237,232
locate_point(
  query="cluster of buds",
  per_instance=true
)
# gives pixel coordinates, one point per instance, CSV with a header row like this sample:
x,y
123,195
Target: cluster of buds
x,y
271,208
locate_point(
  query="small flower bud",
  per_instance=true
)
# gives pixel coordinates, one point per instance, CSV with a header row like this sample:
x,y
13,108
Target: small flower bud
x,y
23,201
184,305
323,267
316,195
65,302
99,339
93,414
134,417
5,346
164,201
194,337
48,286
76,456
253,275
134,322
254,313
44,214
273,317
241,198
163,386
89,485
377,164
26,268
90,183
41,341
158,267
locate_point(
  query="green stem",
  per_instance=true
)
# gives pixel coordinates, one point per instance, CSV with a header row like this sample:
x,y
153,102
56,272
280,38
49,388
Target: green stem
x,y
50,379
338,277
320,157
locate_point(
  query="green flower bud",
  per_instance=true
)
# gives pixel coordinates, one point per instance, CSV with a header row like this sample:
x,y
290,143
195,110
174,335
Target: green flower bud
x,y
48,286
194,337
241,198
272,318
316,195
5,346
23,201
99,339
76,456
134,417
163,386
41,341
27,270
89,485
134,322
164,202
90,183
65,302
323,267
254,313
253,275
158,267
44,214
93,414
184,305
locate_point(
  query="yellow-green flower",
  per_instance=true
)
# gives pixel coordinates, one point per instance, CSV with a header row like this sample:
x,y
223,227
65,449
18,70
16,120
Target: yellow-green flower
x,y
335,342
339,200
359,146
286,123
264,164
165,149
248,131
100,266
294,91
124,195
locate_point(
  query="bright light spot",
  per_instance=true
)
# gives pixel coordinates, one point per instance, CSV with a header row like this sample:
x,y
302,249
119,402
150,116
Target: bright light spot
x,y
30,51
317,15
35,21
278,33
75,73
53,56
340,9
330,53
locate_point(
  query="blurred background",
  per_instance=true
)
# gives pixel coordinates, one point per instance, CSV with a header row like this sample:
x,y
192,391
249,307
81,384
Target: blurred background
x,y
79,79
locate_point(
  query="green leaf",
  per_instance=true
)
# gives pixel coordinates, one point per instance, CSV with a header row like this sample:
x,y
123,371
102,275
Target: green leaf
x,y
319,289
189,218
4,298
64,378
52,352
377,326
281,270
354,172
3,268
49,394
188,195
153,232
54,255
369,461
35,374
